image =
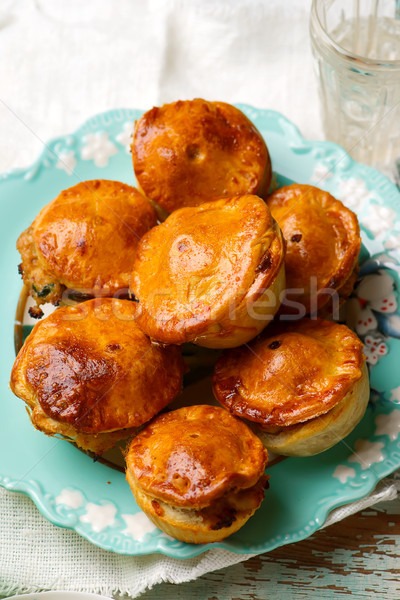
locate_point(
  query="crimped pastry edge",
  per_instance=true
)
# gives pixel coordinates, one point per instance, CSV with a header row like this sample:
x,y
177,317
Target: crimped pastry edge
x,y
323,432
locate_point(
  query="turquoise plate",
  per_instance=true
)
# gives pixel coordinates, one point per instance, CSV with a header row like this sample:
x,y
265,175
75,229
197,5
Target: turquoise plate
x,y
73,491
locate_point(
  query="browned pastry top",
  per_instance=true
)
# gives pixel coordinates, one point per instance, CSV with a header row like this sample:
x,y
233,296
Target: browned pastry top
x,y
323,240
194,455
194,270
187,152
291,373
92,367
87,237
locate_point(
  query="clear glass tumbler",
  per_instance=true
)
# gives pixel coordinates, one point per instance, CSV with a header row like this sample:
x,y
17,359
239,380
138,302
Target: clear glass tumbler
x,y
356,44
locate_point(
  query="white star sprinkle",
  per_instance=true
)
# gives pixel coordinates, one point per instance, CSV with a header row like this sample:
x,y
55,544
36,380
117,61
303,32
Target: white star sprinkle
x,y
393,242
388,424
67,161
379,219
395,394
98,148
125,136
138,525
343,473
99,516
320,174
367,453
353,193
71,498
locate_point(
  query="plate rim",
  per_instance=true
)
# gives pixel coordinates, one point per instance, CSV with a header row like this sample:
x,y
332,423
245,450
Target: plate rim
x,y
291,134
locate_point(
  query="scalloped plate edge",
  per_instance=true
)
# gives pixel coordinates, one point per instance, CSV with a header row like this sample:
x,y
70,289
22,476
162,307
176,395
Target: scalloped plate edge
x,y
291,133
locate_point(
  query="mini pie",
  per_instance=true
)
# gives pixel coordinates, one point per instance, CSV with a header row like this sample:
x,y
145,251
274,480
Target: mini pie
x,y
210,274
89,374
197,473
84,240
304,385
187,152
323,242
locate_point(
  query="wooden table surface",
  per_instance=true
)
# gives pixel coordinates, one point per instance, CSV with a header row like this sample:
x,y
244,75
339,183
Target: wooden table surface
x,y
357,557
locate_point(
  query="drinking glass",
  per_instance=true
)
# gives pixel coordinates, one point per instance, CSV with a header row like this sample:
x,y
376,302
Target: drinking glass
x,y
356,45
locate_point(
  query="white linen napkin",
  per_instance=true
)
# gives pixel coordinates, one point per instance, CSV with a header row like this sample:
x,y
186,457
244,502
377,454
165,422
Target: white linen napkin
x,y
35,555
65,61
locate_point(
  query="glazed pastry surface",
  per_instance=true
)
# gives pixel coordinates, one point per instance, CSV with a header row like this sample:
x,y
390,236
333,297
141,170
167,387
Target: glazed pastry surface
x,y
199,275
91,369
187,152
195,455
322,432
85,240
323,243
293,373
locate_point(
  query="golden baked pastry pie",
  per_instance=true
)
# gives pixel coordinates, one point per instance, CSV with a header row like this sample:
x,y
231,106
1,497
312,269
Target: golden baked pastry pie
x,y
197,473
323,242
89,374
210,274
84,240
304,384
187,152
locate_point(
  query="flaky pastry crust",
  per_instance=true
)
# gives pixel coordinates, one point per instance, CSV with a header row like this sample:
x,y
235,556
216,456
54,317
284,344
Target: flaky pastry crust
x,y
323,243
197,473
205,525
85,240
187,152
291,374
195,455
91,370
211,274
323,432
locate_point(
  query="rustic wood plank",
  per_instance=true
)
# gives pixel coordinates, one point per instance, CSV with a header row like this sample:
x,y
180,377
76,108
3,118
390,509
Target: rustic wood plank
x,y
358,557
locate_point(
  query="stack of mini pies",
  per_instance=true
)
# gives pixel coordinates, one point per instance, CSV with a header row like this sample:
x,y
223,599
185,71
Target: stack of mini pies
x,y
200,253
